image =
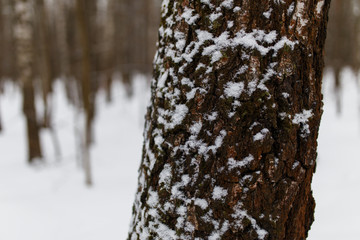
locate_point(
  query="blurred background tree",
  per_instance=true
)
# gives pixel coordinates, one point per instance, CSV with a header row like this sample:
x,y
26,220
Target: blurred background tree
x,y
85,45
343,42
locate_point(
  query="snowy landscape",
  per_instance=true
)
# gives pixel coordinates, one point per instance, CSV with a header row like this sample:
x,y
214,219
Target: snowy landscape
x,y
51,201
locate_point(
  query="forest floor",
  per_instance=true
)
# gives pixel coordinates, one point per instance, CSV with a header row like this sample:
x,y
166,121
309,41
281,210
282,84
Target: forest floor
x,y
51,202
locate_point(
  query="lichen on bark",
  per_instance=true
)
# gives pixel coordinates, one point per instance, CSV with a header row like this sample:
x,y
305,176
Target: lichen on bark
x,y
230,135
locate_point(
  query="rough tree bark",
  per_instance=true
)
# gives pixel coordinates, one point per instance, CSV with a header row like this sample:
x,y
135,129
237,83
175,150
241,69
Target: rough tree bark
x,y
23,35
231,133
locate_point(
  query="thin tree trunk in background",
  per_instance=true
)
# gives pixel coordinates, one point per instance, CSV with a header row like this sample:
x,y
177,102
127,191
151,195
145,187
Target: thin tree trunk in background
x,y
8,49
45,69
1,125
343,44
337,89
1,92
23,34
29,109
146,69
2,56
63,39
86,82
356,5
1,39
109,47
153,21
231,133
126,33
95,29
66,43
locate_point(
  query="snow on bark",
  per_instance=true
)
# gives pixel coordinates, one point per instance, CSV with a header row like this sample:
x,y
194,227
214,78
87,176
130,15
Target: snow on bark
x,y
219,193
233,116
238,164
303,119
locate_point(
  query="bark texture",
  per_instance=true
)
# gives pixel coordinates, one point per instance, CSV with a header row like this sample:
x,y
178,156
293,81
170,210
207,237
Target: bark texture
x,y
231,133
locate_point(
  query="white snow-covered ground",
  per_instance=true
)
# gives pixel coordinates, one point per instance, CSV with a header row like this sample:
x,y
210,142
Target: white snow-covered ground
x,y
51,202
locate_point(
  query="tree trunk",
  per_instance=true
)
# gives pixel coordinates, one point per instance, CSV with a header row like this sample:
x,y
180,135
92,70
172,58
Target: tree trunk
x,y
8,39
1,39
231,133
61,27
342,43
108,54
45,69
1,125
23,35
337,89
125,38
86,85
